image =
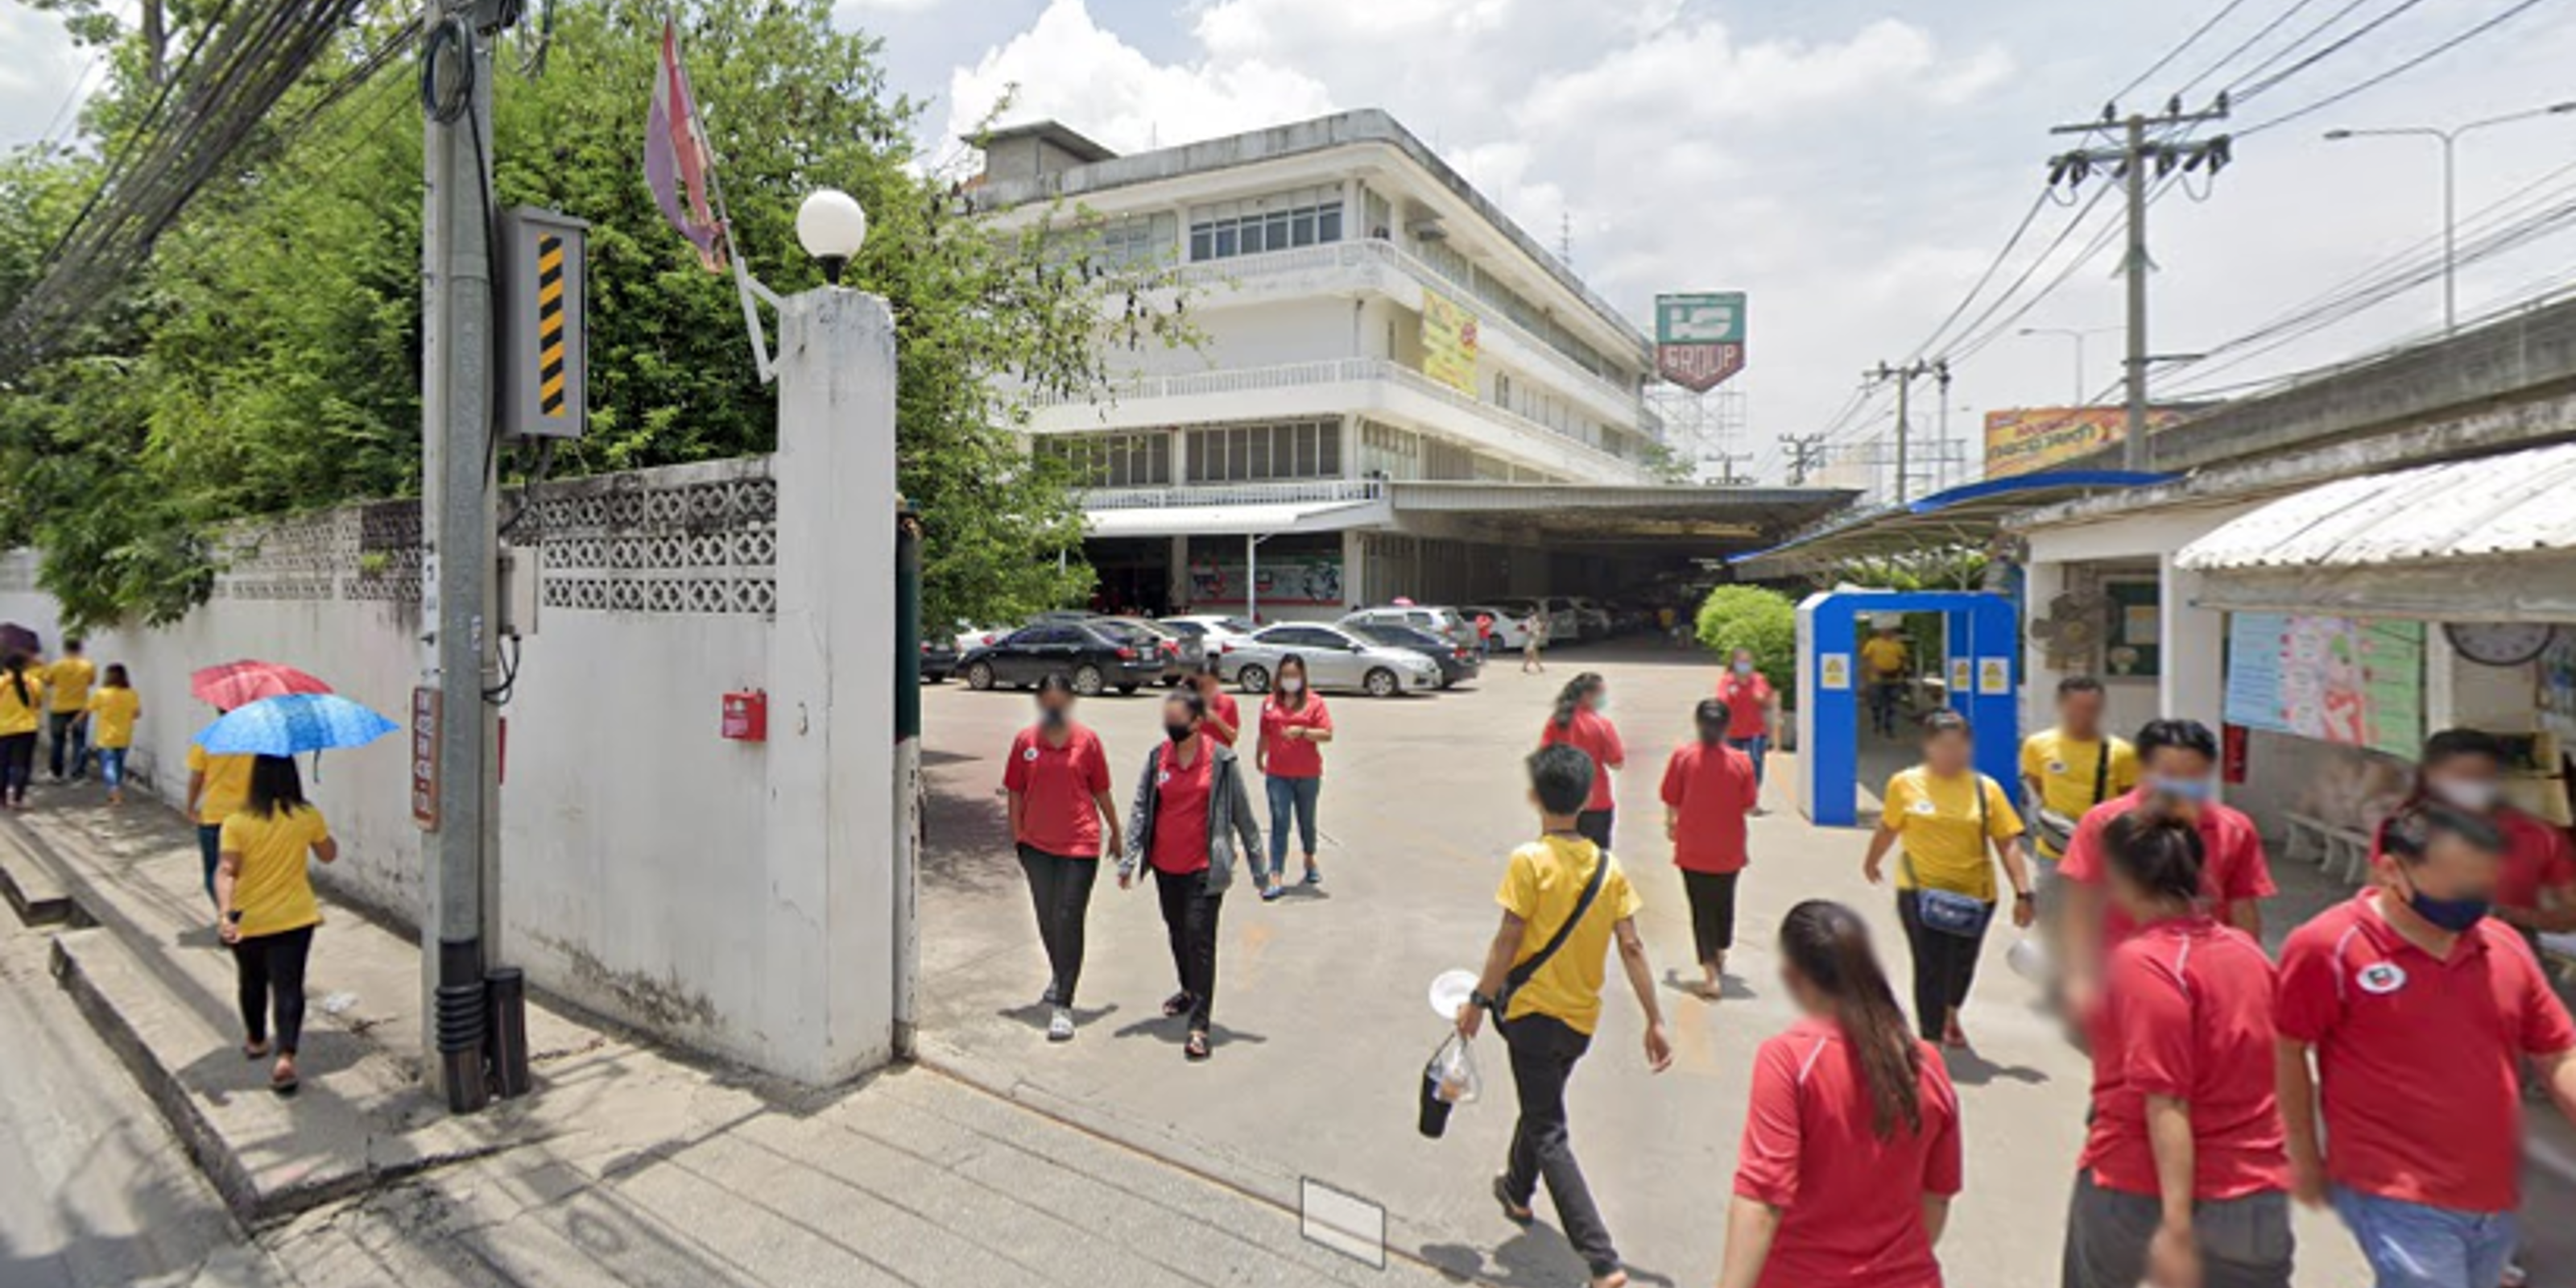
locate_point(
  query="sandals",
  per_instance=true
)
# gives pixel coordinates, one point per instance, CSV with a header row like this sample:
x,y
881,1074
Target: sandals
x,y
1178,1004
1196,1048
282,1080
255,1050
1512,1212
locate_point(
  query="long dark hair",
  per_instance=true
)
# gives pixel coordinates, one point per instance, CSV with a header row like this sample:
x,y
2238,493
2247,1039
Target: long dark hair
x,y
275,787
116,678
16,665
1305,684
1828,944
1576,695
2160,853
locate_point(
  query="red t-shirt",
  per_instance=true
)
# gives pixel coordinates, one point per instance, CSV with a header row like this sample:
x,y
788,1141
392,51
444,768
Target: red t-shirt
x,y
2187,1013
1592,734
2537,857
1748,704
1058,783
1712,787
1221,708
1286,757
1181,811
2232,871
1851,1204
2416,1055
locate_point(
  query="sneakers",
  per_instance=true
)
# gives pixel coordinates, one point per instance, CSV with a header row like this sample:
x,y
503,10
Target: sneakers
x,y
1060,1026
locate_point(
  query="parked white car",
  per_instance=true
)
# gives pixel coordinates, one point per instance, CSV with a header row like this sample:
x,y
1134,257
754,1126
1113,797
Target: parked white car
x,y
1564,625
971,636
1212,629
1592,618
1335,660
1508,633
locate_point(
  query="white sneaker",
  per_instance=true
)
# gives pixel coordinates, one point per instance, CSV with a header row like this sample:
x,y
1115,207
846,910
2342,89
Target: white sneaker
x,y
1060,1026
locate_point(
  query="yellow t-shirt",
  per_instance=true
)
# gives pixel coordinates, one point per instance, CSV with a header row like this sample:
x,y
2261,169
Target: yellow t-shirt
x,y
1936,821
271,891
1884,657
111,717
2065,770
227,784
22,717
69,680
1542,885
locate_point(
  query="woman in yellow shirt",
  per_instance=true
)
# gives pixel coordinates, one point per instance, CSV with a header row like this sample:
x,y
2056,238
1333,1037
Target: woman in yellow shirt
x,y
1956,824
265,908
22,705
113,708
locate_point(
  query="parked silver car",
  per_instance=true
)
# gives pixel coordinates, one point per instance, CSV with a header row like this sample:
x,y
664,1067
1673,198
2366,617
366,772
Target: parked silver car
x,y
1450,624
1336,660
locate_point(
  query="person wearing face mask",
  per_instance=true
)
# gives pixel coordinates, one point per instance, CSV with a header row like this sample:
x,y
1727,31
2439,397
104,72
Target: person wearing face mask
x,y
1950,819
2179,760
2415,1007
2465,768
1709,789
1752,711
1295,725
1190,810
1224,721
1582,721
1058,784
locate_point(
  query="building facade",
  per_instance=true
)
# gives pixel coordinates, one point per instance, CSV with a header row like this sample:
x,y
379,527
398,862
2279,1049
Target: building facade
x,y
1370,322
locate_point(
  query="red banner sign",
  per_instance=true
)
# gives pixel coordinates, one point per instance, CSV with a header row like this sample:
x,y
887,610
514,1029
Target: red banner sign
x,y
1699,367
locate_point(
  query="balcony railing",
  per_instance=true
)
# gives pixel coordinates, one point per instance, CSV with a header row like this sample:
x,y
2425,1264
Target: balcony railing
x,y
1164,498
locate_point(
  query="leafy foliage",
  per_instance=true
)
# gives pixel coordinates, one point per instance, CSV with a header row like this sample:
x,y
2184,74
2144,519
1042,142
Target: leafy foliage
x,y
1757,618
269,362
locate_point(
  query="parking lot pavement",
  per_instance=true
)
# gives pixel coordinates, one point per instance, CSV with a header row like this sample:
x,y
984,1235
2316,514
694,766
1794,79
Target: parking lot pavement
x,y
1322,1025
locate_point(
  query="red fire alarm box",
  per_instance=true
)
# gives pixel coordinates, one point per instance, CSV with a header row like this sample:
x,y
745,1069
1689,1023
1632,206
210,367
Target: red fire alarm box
x,y
746,716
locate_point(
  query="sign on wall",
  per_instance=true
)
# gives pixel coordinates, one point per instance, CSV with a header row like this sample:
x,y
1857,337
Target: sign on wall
x,y
2342,680
1287,579
1448,343
1699,339
2022,439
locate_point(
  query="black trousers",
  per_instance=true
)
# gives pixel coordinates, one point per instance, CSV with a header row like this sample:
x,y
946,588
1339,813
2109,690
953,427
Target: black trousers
x,y
1712,907
17,764
1189,916
1944,966
270,970
60,759
1594,824
1544,1050
1060,887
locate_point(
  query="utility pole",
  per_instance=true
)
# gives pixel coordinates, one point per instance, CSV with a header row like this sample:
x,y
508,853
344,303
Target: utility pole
x,y
1806,454
2129,162
461,922
1905,376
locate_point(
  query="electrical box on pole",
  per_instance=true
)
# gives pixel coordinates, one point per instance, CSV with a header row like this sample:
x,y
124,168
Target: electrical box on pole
x,y
545,342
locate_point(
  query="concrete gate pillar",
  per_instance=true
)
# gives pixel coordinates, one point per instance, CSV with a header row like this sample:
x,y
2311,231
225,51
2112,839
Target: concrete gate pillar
x,y
826,939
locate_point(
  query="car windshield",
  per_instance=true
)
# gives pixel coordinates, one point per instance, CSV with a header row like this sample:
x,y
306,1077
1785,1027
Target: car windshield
x,y
1395,636
1191,629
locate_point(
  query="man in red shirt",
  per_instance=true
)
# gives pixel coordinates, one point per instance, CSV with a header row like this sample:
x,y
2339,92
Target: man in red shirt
x,y
2179,761
1709,788
2417,1006
2536,894
1752,711
1582,721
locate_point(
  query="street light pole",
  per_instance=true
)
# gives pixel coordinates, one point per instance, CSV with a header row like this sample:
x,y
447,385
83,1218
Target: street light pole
x,y
2077,335
2449,138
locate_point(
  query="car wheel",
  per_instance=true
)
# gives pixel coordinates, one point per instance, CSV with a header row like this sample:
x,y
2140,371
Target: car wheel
x,y
1086,680
1253,679
979,677
1380,682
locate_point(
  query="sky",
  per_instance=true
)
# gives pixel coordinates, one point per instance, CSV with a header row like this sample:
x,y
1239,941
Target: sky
x,y
1853,165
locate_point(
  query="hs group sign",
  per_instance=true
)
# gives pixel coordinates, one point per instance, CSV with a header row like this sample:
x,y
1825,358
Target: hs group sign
x,y
1699,339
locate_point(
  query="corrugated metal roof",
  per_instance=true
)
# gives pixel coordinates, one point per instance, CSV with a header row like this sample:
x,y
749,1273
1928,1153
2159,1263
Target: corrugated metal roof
x,y
2495,506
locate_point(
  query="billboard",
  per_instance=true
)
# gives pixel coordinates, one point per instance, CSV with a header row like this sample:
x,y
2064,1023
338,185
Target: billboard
x,y
1289,579
2022,439
1699,339
1448,343
2344,680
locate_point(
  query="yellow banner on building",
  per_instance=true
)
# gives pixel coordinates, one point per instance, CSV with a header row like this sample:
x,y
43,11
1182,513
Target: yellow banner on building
x,y
1449,343
2020,440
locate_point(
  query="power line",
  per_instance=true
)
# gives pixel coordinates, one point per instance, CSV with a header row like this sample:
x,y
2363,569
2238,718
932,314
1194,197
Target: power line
x,y
2260,35
2410,64
2177,51
2245,92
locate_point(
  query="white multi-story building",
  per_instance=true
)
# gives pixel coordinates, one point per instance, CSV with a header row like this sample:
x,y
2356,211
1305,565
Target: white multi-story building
x,y
1396,382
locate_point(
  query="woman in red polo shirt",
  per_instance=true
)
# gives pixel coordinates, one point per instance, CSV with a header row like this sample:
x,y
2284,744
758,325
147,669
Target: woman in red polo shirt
x,y
1851,1141
1190,810
1582,721
1224,722
1295,725
1709,788
1752,707
1058,781
2185,1173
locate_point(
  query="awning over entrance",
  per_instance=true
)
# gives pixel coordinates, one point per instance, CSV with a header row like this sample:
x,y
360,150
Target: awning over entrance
x,y
1254,520
1962,516
2491,539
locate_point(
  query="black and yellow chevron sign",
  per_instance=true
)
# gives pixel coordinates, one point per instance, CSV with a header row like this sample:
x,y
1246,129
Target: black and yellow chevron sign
x,y
550,326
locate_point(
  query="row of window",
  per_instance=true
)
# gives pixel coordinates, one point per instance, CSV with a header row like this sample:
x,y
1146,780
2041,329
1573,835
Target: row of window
x,y
1261,453
1255,234
1114,460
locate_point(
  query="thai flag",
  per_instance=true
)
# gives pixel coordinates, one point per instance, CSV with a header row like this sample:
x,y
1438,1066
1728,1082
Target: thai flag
x,y
677,159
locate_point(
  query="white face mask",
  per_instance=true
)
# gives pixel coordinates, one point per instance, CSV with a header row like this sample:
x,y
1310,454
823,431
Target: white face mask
x,y
1292,684
2479,794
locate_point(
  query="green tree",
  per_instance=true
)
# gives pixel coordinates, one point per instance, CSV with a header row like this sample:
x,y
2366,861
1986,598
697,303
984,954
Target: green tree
x,y
1757,618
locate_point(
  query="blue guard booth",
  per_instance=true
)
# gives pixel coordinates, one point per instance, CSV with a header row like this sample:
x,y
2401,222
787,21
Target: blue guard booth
x,y
1983,671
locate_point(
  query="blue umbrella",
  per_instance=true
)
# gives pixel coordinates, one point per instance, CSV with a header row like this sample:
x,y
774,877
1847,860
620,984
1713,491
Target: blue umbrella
x,y
294,723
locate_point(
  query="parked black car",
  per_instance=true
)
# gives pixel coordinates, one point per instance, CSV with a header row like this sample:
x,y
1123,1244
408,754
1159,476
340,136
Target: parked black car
x,y
938,660
1457,661
1093,656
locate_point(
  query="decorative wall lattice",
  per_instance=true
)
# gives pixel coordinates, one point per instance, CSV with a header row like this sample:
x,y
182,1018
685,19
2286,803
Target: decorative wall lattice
x,y
686,539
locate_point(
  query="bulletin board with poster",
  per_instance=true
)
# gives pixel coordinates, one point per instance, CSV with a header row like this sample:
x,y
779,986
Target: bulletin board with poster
x,y
2133,649
2344,680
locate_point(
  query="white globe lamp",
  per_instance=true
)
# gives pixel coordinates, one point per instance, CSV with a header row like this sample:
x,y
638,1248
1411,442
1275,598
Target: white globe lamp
x,y
831,227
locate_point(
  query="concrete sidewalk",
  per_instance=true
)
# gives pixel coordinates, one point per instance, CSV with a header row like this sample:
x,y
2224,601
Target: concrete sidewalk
x,y
626,1165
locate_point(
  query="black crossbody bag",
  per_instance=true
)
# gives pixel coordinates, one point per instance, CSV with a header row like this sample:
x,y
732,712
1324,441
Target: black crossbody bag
x,y
1522,973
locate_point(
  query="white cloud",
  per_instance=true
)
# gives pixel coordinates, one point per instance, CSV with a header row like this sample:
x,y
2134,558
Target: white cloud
x,y
37,75
1065,66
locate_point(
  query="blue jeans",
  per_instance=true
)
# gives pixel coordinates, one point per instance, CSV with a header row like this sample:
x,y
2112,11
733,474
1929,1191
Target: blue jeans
x,y
210,850
1756,747
1291,796
111,766
2410,1245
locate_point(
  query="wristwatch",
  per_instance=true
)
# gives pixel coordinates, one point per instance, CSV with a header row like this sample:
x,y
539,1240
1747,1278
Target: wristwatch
x,y
1480,1001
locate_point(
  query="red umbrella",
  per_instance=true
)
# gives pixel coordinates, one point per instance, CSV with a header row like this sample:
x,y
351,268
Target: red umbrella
x,y
234,685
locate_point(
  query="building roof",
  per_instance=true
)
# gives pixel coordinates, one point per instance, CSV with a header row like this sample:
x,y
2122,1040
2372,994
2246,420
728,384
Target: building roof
x,y
1341,130
1237,519
1054,132
1970,515
2492,507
